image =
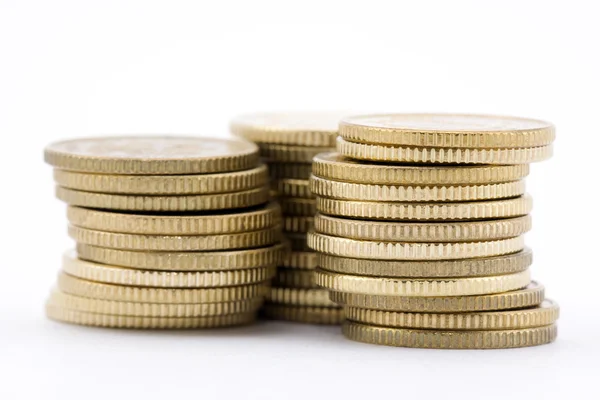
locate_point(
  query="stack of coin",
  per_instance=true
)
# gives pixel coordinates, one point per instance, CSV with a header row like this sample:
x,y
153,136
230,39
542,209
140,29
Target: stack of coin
x,y
288,143
171,232
420,230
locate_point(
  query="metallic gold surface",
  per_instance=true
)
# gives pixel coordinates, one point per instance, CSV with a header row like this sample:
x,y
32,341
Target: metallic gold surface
x,y
289,170
300,297
295,278
292,188
288,153
301,260
297,224
304,314
297,241
298,206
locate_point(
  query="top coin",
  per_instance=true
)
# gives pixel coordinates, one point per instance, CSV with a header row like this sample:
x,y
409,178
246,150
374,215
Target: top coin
x,y
301,129
153,155
447,130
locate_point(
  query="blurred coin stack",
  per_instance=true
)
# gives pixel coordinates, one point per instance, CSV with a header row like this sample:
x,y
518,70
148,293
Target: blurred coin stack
x,y
420,230
171,232
288,143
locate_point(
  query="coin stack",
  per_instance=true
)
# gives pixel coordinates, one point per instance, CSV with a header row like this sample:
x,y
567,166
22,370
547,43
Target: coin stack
x,y
171,232
288,143
420,230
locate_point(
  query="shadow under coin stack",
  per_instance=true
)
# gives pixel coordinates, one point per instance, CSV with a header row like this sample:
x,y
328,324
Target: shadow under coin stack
x,y
288,142
171,232
420,230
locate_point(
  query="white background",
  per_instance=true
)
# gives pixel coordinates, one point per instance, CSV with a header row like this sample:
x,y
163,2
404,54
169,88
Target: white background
x,y
80,68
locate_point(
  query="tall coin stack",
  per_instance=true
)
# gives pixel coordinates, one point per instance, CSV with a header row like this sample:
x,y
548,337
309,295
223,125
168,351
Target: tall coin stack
x,y
420,230
288,143
171,232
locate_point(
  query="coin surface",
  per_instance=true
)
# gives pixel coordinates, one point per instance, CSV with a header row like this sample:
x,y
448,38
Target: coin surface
x,y
474,210
398,231
295,278
286,153
303,129
305,314
292,188
163,184
544,314
442,155
300,297
449,339
301,260
443,287
498,265
377,250
185,261
222,201
297,206
335,166
297,241
447,130
153,155
290,170
529,296
358,191
297,224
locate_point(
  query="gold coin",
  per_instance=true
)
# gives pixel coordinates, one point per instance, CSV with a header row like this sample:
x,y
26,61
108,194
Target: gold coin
x,y
298,206
185,261
442,287
295,278
287,153
447,130
153,155
359,191
120,321
234,221
127,276
62,300
297,241
300,297
343,247
106,291
450,339
442,155
297,224
300,260
334,166
530,296
163,184
542,315
498,265
222,201
304,314
491,209
303,129
128,241
422,231
290,170
292,188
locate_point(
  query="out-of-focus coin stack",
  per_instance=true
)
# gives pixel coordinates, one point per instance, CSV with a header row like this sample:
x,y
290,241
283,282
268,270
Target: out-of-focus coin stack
x,y
420,230
171,232
288,143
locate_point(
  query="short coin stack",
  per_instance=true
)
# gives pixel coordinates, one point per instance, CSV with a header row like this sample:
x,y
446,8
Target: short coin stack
x,y
420,230
288,143
171,232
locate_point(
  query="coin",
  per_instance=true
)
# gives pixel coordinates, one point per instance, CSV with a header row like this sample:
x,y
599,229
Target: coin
x,y
298,206
542,315
450,339
422,231
120,321
295,278
498,265
300,297
222,201
473,210
434,287
530,296
76,303
305,314
301,260
334,166
127,241
297,241
303,129
292,188
163,184
297,224
287,153
290,170
153,155
359,191
442,155
376,250
185,261
107,291
127,276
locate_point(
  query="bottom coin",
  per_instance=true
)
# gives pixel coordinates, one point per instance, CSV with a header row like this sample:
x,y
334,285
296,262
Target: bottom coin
x,y
309,315
121,321
450,339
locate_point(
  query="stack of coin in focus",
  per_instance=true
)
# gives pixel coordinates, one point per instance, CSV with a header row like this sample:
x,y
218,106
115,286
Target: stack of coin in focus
x,y
171,232
420,230
288,143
